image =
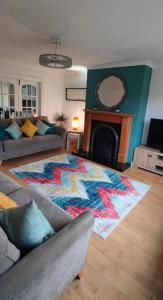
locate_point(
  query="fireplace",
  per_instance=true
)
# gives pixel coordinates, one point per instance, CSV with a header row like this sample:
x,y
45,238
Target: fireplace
x,y
106,137
104,142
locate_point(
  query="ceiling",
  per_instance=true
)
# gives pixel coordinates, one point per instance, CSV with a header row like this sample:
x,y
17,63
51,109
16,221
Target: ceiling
x,y
94,32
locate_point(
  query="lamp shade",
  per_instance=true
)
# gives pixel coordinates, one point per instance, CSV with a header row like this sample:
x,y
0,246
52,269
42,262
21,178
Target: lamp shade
x,y
75,123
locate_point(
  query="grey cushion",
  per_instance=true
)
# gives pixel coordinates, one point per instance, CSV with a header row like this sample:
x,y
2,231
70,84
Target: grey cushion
x,y
8,185
13,145
9,254
49,140
5,264
42,128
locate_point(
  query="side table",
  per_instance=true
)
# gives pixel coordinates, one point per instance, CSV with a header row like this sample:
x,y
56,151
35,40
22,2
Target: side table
x,y
74,134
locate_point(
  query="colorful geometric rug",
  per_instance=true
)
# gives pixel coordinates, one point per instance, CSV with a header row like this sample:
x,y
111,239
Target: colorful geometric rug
x,y
77,185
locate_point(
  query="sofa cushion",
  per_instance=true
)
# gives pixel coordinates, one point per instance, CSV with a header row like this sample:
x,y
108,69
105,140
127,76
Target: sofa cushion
x,y
5,264
25,226
28,128
3,134
42,128
48,208
8,185
51,126
14,130
9,254
6,202
17,145
49,140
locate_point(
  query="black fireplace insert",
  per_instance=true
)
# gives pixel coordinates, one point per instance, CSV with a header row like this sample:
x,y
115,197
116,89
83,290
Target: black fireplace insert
x,y
104,142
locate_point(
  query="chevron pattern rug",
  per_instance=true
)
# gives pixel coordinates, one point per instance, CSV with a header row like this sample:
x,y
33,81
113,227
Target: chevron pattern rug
x,y
77,185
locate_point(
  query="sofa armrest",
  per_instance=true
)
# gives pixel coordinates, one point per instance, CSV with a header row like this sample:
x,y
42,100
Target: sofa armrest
x,y
62,133
1,151
48,269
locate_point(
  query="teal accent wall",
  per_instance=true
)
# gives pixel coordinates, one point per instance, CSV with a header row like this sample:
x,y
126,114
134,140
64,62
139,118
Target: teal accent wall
x,y
137,82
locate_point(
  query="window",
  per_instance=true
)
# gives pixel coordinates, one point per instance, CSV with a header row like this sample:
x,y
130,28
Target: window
x,y
19,98
29,99
7,99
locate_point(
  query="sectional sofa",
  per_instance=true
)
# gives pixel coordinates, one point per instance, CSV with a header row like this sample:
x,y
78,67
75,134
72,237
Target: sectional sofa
x,y
44,272
11,148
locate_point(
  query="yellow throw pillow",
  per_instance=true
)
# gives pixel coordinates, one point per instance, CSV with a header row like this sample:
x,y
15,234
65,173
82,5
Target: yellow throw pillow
x,y
28,128
6,202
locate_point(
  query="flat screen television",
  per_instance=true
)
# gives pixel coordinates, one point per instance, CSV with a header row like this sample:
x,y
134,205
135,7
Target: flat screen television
x,y
155,134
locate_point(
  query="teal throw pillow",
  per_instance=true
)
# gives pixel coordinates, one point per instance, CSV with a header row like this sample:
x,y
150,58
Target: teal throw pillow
x,y
42,128
25,226
51,126
14,130
3,134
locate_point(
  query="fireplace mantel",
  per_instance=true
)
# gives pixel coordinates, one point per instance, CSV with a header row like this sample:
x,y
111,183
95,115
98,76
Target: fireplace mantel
x,y
112,117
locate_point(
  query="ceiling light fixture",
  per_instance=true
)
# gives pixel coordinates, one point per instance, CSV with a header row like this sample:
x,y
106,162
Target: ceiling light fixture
x,y
55,60
78,68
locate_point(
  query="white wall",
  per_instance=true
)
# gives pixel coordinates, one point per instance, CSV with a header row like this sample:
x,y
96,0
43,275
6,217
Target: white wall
x,y
52,96
155,100
74,79
51,84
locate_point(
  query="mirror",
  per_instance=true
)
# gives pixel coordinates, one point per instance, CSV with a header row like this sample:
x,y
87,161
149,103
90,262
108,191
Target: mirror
x,y
110,92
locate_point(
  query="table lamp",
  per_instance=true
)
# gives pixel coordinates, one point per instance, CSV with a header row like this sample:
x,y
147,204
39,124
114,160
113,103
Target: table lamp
x,y
75,123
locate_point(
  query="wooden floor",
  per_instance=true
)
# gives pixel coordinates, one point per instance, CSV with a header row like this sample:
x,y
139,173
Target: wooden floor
x,y
128,265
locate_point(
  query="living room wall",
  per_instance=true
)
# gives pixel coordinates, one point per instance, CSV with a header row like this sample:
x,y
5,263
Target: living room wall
x,y
137,80
74,79
155,100
51,84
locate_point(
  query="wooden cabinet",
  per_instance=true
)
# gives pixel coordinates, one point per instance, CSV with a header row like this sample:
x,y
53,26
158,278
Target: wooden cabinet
x,y
139,157
149,162
71,136
149,159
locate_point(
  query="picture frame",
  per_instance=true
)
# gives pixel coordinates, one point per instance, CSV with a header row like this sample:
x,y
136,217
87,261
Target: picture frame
x,y
76,94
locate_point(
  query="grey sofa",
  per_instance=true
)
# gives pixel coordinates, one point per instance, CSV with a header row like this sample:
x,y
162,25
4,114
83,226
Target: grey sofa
x,y
11,148
45,271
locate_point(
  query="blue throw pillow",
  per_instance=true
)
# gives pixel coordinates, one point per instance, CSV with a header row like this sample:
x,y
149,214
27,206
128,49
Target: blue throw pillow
x,y
51,126
14,130
3,134
25,226
42,128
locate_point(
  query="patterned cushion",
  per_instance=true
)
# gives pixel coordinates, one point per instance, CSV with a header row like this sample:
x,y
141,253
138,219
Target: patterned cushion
x,y
51,126
25,226
14,130
6,202
42,128
9,254
28,128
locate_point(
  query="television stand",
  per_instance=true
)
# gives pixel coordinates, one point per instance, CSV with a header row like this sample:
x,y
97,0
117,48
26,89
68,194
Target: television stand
x,y
149,159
